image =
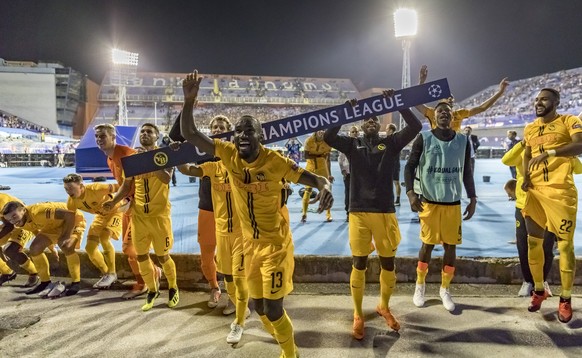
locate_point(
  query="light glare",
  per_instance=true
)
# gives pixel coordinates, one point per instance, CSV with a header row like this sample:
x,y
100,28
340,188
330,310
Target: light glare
x,y
121,57
405,23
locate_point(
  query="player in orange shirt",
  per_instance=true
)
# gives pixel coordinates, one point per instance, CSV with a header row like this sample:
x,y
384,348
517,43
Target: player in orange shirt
x,y
105,139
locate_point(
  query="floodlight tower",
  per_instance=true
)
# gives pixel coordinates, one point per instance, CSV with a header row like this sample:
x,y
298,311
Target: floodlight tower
x,y
124,69
405,28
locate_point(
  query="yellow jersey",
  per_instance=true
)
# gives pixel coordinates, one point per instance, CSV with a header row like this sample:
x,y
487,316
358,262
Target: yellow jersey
x,y
541,137
152,196
456,121
225,216
317,165
514,158
256,188
94,196
41,217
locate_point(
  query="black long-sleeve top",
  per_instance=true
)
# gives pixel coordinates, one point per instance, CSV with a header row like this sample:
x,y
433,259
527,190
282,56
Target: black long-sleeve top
x,y
414,160
372,164
205,188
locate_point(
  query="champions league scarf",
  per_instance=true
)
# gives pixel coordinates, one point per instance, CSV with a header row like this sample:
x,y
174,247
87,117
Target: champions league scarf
x,y
295,126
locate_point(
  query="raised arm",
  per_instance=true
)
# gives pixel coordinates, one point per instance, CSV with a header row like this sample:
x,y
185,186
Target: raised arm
x,y
188,129
488,103
421,80
407,134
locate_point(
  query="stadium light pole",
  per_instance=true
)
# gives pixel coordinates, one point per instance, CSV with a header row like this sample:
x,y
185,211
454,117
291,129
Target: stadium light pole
x,y
405,28
125,67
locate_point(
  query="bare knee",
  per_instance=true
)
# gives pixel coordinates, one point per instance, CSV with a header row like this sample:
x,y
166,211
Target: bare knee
x,y
163,258
142,258
360,262
273,309
387,263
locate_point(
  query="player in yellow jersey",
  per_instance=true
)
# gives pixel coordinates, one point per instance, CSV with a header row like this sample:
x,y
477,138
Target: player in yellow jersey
x,y
514,158
13,244
255,173
52,223
229,237
105,226
460,114
551,202
151,224
318,162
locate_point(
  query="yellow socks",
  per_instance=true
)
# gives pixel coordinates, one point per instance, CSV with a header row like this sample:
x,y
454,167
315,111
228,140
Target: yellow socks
x,y
74,265
357,287
567,267
4,268
447,275
96,257
29,267
242,299
387,284
421,272
305,201
284,335
42,265
108,254
147,273
267,325
535,257
169,268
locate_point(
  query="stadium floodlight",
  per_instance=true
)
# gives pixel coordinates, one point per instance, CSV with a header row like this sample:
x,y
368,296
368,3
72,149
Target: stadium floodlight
x,y
124,69
405,23
405,27
121,57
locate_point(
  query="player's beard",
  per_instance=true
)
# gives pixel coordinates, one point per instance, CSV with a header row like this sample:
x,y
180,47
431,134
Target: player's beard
x,y
544,110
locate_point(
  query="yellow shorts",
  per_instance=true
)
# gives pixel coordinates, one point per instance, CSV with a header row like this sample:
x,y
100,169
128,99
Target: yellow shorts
x,y
269,269
229,254
381,227
206,228
156,232
54,234
440,224
553,208
109,222
19,236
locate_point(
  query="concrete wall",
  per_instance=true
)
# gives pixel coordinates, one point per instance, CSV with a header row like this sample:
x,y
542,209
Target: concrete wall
x,y
337,269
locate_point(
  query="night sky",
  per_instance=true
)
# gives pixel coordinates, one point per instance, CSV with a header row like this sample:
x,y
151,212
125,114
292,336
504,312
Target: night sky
x,y
472,43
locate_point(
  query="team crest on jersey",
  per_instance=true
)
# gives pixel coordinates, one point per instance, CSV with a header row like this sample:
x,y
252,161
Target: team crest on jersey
x,y
552,127
381,147
160,159
261,176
